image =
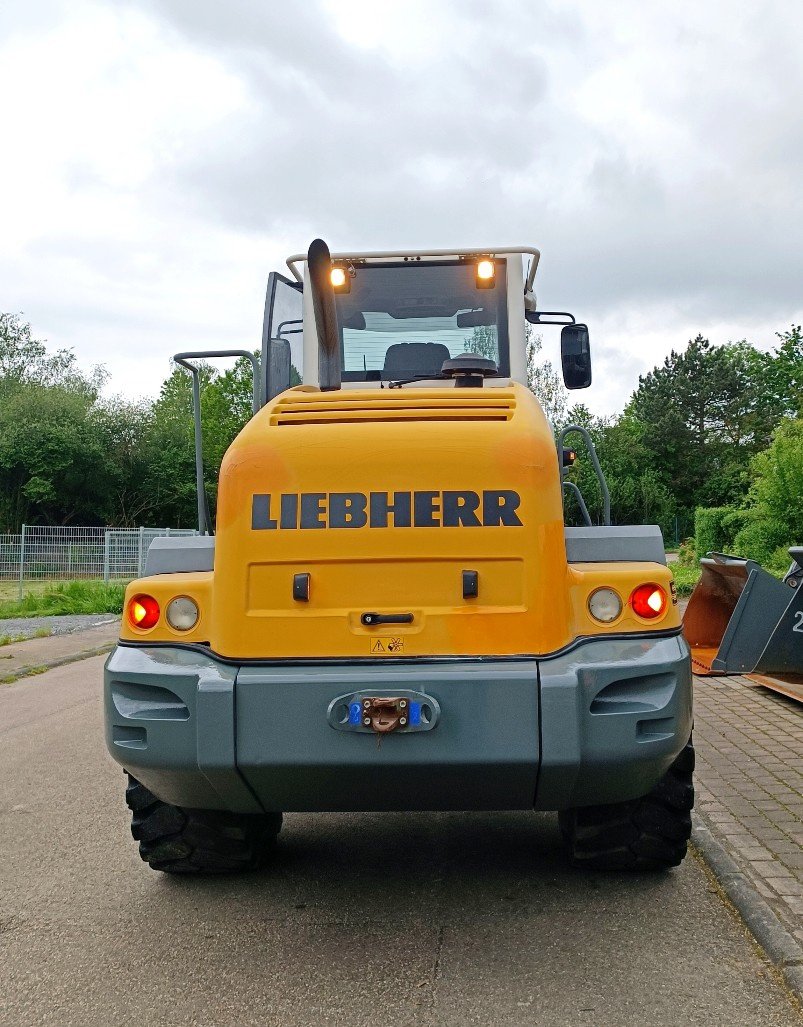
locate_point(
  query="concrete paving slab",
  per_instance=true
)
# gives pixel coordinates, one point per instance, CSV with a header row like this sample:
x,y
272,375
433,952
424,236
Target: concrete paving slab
x,y
748,741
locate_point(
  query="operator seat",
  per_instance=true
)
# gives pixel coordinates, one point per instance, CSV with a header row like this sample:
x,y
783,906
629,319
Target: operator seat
x,y
410,359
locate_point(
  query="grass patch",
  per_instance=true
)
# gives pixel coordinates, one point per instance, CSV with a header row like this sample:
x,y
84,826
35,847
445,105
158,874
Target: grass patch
x,y
10,590
25,672
687,575
10,639
70,597
685,578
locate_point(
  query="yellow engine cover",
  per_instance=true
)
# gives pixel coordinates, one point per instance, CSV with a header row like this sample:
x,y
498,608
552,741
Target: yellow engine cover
x,y
384,498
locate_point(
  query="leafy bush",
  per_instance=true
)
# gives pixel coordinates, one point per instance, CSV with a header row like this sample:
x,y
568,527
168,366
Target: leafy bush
x,y
780,562
710,533
773,520
733,523
760,538
777,490
72,597
687,553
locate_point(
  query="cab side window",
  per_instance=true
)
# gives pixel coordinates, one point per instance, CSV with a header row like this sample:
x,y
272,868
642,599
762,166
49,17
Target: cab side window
x,y
282,336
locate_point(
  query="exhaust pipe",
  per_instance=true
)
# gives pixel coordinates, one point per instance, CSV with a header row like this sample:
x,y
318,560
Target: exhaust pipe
x,y
319,265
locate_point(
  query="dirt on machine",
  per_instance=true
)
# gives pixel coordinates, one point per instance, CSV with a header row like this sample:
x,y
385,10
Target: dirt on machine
x,y
390,611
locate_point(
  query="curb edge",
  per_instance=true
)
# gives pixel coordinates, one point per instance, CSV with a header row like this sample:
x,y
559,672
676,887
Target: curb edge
x,y
780,946
41,668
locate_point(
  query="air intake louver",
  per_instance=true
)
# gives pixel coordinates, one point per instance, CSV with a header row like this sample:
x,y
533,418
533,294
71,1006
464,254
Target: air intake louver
x,y
412,405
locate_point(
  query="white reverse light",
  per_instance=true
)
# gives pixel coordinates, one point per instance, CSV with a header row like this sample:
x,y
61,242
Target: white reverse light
x,y
604,605
182,613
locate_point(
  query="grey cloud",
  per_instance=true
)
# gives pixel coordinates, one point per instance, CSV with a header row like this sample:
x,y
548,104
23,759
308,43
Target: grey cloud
x,y
341,136
343,141
681,196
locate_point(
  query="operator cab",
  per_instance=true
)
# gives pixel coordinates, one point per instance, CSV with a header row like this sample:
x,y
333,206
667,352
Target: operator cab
x,y
402,321
403,318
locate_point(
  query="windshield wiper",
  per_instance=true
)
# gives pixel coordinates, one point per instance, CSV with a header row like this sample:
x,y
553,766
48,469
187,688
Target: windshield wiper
x,y
418,378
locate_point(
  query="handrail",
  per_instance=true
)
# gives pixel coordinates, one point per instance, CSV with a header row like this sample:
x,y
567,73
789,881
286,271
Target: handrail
x,y
578,495
606,496
298,258
204,525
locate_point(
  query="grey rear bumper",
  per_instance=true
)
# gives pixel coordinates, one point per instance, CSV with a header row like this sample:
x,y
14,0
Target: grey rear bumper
x,y
599,723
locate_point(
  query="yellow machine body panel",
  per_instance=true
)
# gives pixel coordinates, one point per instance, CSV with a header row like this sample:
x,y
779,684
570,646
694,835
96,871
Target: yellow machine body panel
x,y
337,505
388,498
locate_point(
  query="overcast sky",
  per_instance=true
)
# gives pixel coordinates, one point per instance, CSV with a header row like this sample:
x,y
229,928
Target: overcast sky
x,y
161,157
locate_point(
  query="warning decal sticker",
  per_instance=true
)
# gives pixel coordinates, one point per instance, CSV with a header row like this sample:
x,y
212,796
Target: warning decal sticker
x,y
386,646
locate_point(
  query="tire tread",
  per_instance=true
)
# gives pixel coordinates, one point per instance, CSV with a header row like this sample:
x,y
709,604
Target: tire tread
x,y
185,841
650,833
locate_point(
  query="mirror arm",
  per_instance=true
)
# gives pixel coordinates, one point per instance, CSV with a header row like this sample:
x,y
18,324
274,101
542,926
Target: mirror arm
x,y
537,317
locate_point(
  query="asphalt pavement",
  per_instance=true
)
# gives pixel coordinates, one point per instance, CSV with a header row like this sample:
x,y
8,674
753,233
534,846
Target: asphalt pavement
x,y
384,919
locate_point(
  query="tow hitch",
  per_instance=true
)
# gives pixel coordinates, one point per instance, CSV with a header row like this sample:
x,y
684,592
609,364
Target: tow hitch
x,y
384,712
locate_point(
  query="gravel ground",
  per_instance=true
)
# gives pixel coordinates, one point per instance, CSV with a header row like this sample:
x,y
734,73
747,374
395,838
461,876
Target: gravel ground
x,y
30,627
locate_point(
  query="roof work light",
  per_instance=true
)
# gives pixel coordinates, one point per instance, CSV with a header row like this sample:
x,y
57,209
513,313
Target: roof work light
x,y
486,273
340,279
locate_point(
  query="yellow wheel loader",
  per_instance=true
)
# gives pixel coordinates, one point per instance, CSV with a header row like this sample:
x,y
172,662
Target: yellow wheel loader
x,y
392,613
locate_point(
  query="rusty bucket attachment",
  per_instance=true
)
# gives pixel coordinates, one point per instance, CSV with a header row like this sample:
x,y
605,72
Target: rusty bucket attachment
x,y
740,619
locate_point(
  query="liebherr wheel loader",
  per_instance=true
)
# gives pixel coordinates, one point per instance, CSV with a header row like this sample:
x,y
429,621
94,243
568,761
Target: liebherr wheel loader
x,y
392,614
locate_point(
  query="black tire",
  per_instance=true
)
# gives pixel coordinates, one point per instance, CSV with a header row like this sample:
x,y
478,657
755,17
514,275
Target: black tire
x,y
198,841
651,833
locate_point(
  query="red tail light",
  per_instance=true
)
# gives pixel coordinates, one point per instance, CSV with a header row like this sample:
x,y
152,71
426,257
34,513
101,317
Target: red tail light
x,y
143,611
649,601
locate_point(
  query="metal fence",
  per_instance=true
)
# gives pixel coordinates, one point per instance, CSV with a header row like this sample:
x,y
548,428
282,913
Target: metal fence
x,y
44,553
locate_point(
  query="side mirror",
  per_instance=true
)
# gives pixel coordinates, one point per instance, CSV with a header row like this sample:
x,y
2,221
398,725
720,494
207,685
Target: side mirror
x,y
575,356
279,369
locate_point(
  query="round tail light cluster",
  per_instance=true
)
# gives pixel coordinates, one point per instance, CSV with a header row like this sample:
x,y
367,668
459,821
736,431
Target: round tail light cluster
x,y
181,613
648,601
143,612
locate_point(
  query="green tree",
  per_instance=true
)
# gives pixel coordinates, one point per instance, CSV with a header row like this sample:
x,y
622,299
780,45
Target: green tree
x,y
226,406
704,413
638,495
544,381
775,502
127,432
54,466
786,372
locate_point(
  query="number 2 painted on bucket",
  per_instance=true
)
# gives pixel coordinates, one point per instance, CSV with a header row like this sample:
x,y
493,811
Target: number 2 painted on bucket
x,y
798,626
